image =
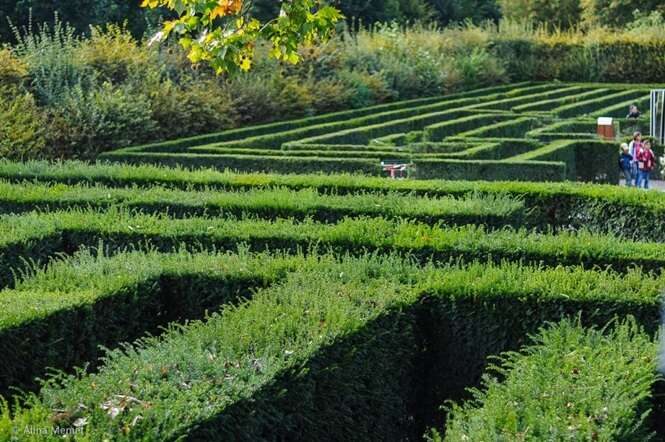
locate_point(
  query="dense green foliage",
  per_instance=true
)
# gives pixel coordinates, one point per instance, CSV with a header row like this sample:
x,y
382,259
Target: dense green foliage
x,y
83,13
133,92
609,209
116,300
490,210
302,297
288,335
35,237
484,134
570,383
268,287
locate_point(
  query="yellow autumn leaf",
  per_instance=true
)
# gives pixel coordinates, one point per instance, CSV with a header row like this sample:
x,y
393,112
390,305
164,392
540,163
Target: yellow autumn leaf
x,y
226,7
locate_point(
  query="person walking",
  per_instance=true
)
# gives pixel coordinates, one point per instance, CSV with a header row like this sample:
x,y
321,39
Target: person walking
x,y
626,164
646,161
633,148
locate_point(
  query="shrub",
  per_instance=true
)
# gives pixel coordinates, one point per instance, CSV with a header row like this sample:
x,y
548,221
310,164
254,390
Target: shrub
x,y
12,69
491,211
114,55
199,107
53,69
21,126
88,123
365,89
570,383
555,15
617,13
477,68
111,300
338,350
614,209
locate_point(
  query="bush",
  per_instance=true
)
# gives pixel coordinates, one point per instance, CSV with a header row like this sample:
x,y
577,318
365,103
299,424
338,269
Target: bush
x,y
114,55
570,383
477,68
490,211
573,60
603,208
199,107
22,134
112,300
88,123
53,68
338,350
365,89
12,69
36,237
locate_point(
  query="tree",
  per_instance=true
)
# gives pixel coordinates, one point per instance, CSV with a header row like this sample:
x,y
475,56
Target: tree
x,y
553,13
451,11
618,12
223,33
79,14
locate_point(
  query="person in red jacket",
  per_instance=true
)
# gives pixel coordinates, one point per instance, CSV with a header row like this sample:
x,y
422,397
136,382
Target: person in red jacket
x,y
646,162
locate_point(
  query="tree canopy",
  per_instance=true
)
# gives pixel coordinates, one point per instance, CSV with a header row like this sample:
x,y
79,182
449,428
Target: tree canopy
x,y
224,33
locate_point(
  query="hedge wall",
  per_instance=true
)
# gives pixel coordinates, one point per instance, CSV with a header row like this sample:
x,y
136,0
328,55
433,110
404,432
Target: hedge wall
x,y
551,205
572,383
490,170
316,365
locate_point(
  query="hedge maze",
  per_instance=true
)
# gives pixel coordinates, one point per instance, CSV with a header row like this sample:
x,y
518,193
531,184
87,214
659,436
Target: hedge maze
x,y
142,302
528,131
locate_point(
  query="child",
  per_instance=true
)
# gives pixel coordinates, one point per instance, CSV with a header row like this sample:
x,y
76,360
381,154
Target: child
x,y
626,164
646,161
633,112
633,147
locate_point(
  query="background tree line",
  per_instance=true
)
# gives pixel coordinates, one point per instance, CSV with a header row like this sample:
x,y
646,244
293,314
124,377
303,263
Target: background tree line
x,y
80,14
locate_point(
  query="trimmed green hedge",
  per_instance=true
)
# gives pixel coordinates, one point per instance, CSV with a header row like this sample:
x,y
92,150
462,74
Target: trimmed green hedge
x,y
572,383
317,126
338,351
357,141
60,317
620,110
549,105
439,131
364,134
490,170
327,152
592,160
604,208
593,105
273,203
35,237
251,163
498,149
264,129
515,128
556,90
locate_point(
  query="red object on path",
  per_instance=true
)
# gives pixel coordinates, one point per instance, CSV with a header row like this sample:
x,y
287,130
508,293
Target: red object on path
x,y
396,170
